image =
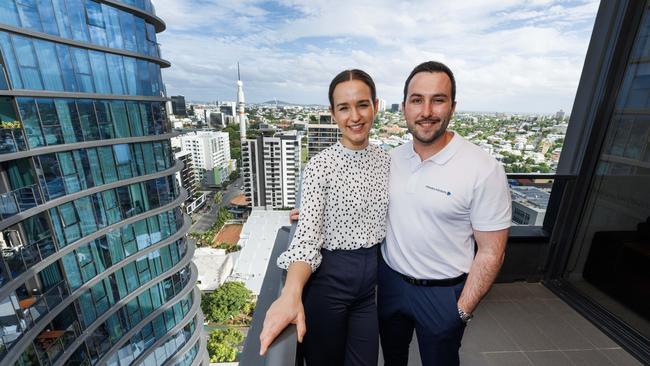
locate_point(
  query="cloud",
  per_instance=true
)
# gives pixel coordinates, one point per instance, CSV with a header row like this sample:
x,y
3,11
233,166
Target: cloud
x,y
509,55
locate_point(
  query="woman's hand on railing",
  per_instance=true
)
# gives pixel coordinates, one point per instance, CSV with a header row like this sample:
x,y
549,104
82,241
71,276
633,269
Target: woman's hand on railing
x,y
287,309
293,215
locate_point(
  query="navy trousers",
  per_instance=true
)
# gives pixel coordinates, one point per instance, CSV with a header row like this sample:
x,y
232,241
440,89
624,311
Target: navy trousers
x,y
431,311
340,310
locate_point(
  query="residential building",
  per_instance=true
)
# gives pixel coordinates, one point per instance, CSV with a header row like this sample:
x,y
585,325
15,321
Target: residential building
x,y
325,119
228,108
179,108
320,137
210,155
271,170
188,180
94,263
529,205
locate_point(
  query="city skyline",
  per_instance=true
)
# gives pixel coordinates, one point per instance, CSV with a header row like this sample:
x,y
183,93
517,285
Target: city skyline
x,y
511,56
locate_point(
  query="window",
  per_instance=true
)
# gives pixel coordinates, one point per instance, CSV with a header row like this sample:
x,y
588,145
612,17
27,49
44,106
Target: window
x,y
111,206
70,222
67,68
120,119
69,170
88,120
48,62
28,14
100,72
131,276
127,22
72,271
82,69
134,116
95,21
143,269
116,74
107,163
86,212
9,13
77,19
49,122
112,26
123,159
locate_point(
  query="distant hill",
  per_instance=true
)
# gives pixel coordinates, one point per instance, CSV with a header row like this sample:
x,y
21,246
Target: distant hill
x,y
280,102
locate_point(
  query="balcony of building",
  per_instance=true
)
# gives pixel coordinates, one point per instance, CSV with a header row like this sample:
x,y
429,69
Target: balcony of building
x,y
525,319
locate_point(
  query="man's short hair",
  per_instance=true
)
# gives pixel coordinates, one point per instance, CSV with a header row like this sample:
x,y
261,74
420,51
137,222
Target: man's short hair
x,y
432,66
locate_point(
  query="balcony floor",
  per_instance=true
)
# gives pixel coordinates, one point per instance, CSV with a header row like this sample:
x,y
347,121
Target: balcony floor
x,y
526,324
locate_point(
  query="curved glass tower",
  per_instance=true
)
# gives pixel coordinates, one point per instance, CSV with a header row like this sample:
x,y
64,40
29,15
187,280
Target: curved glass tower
x,y
94,265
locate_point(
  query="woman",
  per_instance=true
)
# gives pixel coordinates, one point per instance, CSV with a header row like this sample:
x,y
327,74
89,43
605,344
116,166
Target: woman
x,y
342,219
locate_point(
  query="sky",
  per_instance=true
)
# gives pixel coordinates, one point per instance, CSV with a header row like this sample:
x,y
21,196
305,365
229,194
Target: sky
x,y
507,55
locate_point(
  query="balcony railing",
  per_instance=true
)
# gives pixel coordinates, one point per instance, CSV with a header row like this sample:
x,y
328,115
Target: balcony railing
x,y
21,257
283,350
19,200
35,307
11,140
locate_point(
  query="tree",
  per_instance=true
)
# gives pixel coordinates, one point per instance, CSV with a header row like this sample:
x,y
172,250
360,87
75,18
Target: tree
x,y
218,196
222,217
233,176
230,248
226,302
222,344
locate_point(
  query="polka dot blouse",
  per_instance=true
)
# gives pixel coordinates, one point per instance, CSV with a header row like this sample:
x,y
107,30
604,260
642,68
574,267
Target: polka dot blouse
x,y
344,200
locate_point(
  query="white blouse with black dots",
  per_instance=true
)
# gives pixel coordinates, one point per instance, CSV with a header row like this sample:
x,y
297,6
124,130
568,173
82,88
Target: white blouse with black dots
x,y
344,200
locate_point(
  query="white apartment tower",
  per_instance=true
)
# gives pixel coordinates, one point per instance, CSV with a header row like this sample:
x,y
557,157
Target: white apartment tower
x,y
210,154
271,170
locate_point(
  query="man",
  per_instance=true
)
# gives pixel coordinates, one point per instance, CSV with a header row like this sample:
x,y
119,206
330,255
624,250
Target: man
x,y
448,218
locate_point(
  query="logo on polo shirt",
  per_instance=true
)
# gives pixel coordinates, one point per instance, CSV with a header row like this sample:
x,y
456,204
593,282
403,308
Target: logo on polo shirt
x,y
439,190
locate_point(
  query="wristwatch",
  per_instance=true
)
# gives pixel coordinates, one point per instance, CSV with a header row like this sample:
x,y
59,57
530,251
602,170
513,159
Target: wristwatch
x,y
465,317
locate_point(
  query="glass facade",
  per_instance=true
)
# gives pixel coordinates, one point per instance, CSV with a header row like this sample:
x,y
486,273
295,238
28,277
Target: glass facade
x,y
58,174
80,274
152,333
42,235
84,21
610,262
34,299
48,122
59,67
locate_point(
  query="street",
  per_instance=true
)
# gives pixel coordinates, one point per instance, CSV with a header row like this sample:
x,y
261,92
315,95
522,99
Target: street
x,y
207,218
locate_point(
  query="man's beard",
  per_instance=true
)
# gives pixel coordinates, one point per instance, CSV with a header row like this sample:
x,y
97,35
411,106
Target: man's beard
x,y
436,135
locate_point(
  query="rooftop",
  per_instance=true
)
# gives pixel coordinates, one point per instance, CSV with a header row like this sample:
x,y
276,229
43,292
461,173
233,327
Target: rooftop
x,y
213,266
257,239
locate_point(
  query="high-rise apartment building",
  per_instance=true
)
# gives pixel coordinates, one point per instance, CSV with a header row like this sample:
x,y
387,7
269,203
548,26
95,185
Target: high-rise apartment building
x,y
179,108
94,264
189,181
228,108
320,137
325,119
271,170
210,154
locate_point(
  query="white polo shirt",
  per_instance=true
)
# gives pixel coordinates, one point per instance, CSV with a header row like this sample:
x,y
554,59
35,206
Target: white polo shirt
x,y
434,206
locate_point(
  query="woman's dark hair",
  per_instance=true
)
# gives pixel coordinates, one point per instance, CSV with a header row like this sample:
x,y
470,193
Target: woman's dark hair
x,y
354,74
432,66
